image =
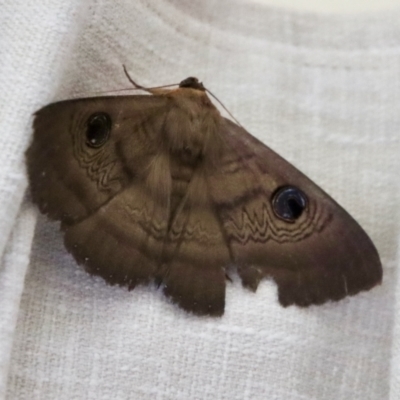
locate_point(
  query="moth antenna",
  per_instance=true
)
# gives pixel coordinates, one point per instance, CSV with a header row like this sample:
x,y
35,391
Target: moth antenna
x,y
114,90
222,105
152,90
137,86
87,94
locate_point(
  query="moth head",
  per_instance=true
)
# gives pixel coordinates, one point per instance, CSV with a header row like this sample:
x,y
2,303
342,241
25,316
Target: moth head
x,y
289,203
192,83
98,129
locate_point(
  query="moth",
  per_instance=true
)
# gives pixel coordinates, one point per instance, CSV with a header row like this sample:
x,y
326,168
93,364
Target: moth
x,y
161,188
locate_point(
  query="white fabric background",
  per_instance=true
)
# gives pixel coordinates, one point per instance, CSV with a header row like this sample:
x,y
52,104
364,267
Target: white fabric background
x,y
333,6
322,91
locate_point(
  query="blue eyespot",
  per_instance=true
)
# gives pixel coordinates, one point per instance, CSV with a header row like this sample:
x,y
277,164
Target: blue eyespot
x,y
288,203
98,129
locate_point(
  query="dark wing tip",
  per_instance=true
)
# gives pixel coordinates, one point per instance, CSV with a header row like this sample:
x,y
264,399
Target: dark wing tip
x,y
354,266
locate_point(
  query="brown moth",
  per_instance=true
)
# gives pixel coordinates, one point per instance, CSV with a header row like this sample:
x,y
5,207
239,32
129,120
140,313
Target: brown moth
x,y
162,188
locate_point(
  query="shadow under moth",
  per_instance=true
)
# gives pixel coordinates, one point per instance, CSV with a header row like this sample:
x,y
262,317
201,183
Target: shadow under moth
x,y
162,188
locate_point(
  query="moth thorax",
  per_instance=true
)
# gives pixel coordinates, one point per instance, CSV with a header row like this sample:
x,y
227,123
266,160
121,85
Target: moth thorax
x,y
192,117
189,141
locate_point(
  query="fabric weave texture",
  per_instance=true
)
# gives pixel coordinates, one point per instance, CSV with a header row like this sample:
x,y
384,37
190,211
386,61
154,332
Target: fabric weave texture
x,y
323,91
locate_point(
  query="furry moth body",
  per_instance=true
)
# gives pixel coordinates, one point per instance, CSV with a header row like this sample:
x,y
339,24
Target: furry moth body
x,y
162,188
